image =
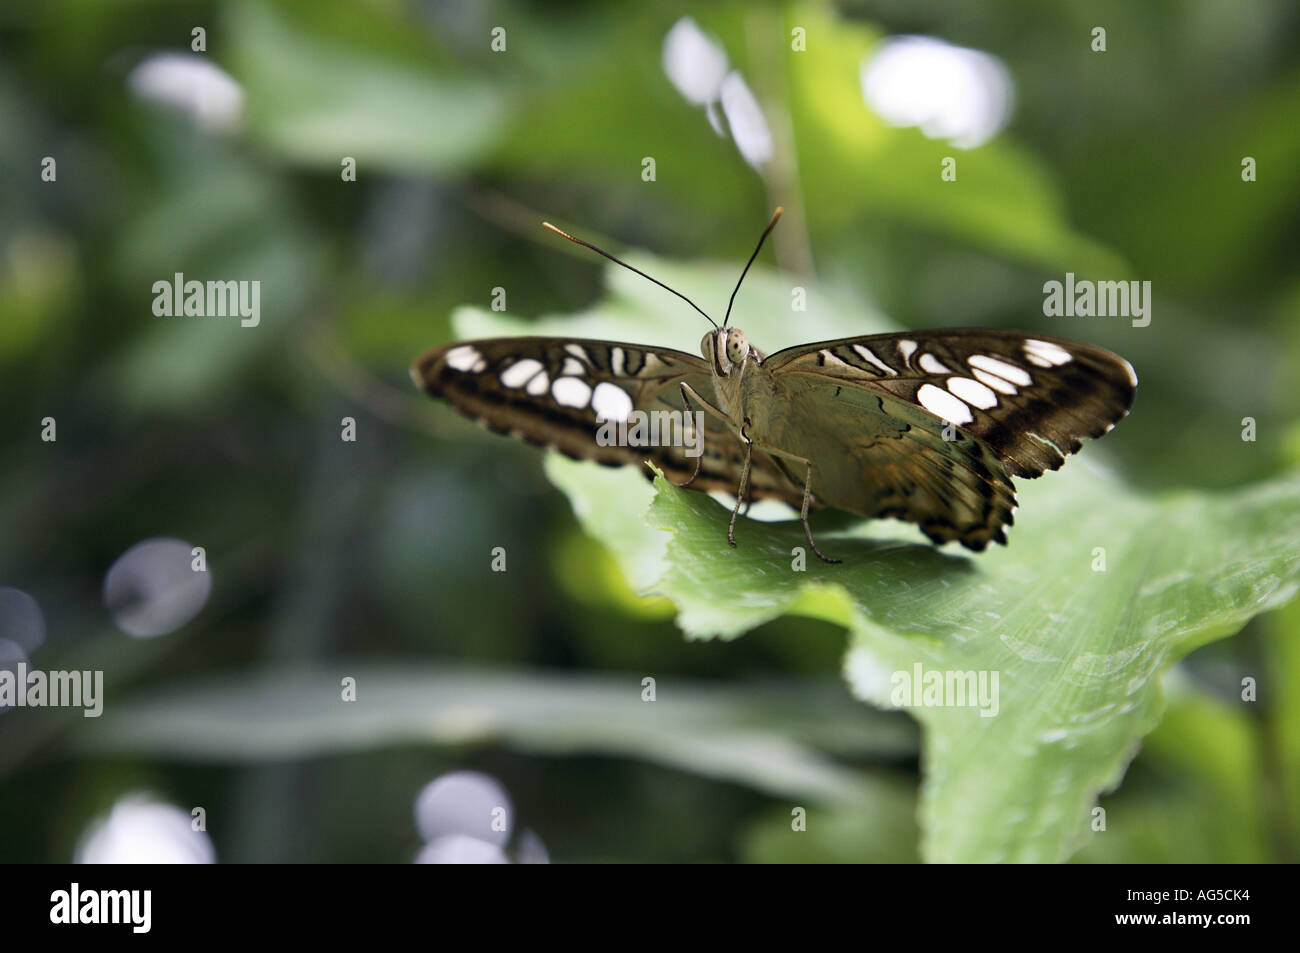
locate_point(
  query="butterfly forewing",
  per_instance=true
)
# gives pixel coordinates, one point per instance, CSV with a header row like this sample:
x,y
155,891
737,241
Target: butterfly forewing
x,y
556,392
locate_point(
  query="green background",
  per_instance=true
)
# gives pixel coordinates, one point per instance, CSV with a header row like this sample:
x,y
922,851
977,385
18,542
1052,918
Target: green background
x,y
372,558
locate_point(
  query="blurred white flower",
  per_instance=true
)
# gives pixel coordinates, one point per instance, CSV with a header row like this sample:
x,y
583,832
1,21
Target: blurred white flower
x,y
192,84
697,65
949,92
694,62
464,802
152,589
460,849
141,830
465,817
745,117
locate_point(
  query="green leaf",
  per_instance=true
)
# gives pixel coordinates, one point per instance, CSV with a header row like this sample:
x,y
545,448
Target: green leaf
x,y
1078,652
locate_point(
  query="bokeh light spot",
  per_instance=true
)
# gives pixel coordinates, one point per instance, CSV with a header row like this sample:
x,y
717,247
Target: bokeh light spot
x,y
152,589
142,830
191,84
694,62
464,802
949,92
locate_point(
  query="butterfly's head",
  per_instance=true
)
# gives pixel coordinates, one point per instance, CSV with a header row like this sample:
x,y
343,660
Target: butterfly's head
x,y
727,349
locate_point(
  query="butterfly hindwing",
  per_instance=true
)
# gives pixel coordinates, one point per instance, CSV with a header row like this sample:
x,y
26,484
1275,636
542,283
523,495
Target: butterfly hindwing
x,y
553,392
887,457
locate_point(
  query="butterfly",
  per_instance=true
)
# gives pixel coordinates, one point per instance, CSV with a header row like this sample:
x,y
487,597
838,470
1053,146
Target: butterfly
x,y
923,426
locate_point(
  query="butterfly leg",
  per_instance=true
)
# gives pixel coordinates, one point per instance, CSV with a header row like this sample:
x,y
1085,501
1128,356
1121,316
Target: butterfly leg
x,y
688,394
807,500
744,482
803,515
699,461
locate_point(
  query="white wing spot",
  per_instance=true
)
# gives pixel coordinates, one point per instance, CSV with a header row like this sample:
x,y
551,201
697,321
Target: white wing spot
x,y
617,359
1017,375
868,355
520,372
578,351
973,392
992,380
905,348
574,367
652,363
1132,374
466,358
943,404
611,402
570,392
1053,354
828,357
932,365
538,385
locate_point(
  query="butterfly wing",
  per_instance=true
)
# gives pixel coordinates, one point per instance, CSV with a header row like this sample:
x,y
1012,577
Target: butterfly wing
x,y
1018,403
556,392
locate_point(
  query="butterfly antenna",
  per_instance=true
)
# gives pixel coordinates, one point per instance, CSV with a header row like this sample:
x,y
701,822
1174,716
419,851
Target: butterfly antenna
x,y
617,261
770,225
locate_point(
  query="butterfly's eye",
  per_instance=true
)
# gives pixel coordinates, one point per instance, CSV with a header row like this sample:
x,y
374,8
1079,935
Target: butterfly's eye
x,y
737,347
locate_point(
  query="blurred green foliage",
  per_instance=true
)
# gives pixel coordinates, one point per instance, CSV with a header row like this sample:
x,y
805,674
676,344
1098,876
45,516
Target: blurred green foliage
x,y
372,558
